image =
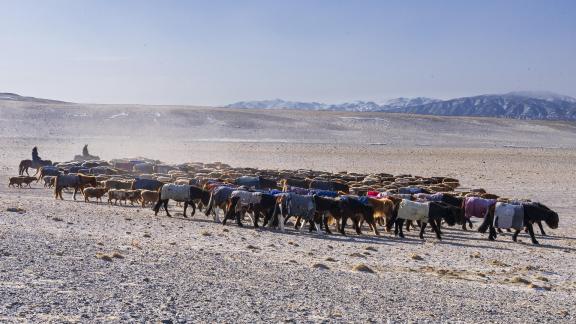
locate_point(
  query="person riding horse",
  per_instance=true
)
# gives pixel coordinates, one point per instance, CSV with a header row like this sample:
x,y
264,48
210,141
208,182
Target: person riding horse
x,y
35,156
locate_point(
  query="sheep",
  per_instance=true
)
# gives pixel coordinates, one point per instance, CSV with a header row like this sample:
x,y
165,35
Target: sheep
x,y
148,196
92,192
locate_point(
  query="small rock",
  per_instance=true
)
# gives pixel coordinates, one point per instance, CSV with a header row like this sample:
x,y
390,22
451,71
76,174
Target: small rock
x,y
475,255
16,210
498,263
103,256
517,279
361,267
117,255
320,266
416,257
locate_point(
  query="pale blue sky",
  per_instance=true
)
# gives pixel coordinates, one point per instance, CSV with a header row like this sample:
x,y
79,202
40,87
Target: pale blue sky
x,y
218,52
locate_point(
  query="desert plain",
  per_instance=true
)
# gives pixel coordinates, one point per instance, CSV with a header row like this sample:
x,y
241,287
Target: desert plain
x,y
194,270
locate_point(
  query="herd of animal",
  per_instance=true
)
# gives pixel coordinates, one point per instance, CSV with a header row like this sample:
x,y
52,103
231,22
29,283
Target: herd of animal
x,y
318,198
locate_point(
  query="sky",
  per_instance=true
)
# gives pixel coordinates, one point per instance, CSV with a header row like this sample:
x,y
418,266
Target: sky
x,y
218,52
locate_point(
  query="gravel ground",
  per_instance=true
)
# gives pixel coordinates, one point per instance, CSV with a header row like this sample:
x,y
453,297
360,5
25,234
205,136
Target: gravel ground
x,y
91,262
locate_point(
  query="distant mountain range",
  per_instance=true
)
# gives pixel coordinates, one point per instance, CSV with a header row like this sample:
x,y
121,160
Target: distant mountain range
x,y
362,106
15,97
520,105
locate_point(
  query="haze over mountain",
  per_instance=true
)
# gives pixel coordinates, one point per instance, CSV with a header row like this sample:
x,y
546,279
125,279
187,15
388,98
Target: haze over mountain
x,y
520,105
517,105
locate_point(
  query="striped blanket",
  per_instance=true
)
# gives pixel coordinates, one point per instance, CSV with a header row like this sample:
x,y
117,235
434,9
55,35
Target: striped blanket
x,y
477,207
509,216
175,192
412,210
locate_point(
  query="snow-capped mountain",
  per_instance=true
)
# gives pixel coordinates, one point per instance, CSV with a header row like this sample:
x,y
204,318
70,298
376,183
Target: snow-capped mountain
x,y
520,104
359,106
511,105
407,102
544,95
279,104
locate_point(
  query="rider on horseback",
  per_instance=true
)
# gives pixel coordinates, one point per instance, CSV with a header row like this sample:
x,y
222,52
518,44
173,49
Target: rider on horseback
x,y
35,156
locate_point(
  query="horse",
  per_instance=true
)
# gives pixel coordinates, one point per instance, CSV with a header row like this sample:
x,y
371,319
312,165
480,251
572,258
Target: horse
x,y
47,171
329,185
218,199
26,164
256,203
256,182
327,207
383,210
76,181
454,201
432,214
533,213
294,182
358,212
475,207
299,206
183,193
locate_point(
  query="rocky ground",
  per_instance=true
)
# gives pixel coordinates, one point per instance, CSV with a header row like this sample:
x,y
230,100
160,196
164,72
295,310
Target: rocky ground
x,y
91,262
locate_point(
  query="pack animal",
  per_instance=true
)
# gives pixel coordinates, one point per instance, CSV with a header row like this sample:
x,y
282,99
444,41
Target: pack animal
x,y
182,193
76,181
